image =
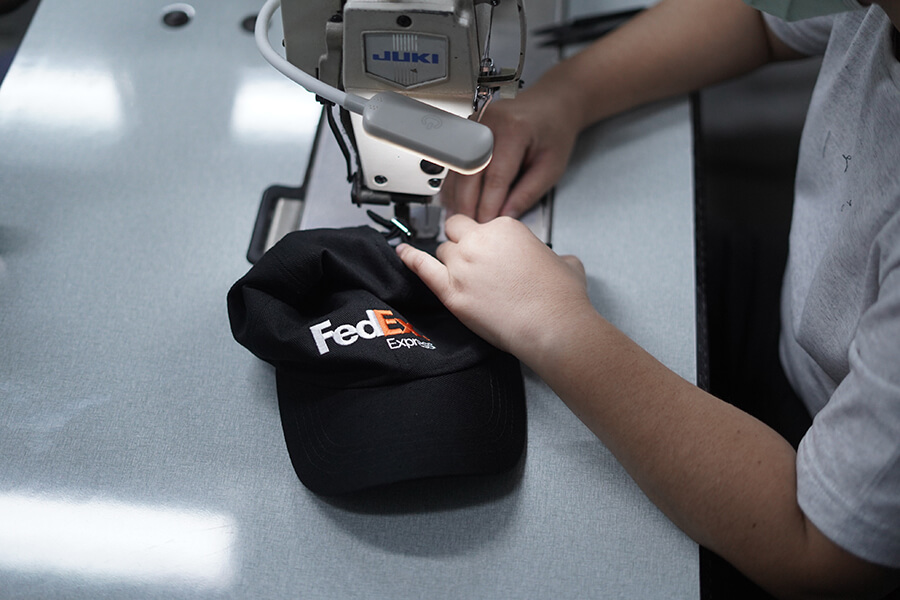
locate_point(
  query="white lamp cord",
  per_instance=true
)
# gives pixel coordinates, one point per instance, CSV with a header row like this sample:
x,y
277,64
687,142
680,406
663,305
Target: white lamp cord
x,y
351,102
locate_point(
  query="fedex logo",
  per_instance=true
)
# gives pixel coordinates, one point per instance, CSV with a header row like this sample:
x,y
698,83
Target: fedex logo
x,y
378,323
429,58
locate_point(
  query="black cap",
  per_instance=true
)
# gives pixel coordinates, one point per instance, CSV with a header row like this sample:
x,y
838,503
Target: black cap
x,y
377,381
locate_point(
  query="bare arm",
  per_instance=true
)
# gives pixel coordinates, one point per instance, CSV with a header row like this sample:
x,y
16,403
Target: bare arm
x,y
723,477
672,48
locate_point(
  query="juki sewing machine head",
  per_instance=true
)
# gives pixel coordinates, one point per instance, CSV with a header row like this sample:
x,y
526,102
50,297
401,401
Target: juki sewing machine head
x,y
409,75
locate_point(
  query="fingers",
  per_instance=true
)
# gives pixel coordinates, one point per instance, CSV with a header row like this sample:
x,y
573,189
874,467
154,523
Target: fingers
x,y
461,193
482,195
498,178
428,268
534,183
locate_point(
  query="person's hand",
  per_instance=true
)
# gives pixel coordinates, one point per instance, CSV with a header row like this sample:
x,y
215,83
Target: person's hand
x,y
502,282
533,139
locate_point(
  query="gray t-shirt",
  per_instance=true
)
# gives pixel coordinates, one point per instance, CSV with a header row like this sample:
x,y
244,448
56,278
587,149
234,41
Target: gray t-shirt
x,y
840,341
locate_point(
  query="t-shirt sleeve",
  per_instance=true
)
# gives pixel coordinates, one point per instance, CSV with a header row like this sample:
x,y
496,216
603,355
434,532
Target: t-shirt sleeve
x,y
809,36
848,464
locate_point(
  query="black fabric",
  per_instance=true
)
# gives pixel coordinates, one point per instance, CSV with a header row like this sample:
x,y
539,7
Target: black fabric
x,y
377,381
895,39
745,178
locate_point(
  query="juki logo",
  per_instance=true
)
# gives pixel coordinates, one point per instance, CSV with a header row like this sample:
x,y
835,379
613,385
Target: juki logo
x,y
428,58
379,323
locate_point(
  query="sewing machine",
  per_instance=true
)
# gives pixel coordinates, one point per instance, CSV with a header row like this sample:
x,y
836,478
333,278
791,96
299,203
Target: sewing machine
x,y
432,62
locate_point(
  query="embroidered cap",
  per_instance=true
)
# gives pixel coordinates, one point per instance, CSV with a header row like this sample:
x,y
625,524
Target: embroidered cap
x,y
377,382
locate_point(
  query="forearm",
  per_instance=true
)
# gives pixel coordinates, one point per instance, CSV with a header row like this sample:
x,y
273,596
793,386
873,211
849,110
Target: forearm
x,y
672,48
686,449
722,476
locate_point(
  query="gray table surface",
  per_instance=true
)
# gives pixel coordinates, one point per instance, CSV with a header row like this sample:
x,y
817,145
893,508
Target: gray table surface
x,y
141,453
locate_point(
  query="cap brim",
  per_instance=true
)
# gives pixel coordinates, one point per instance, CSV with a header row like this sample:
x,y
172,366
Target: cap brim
x,y
343,440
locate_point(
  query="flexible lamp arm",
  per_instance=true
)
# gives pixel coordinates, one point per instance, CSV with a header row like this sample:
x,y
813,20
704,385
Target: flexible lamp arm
x,y
440,136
